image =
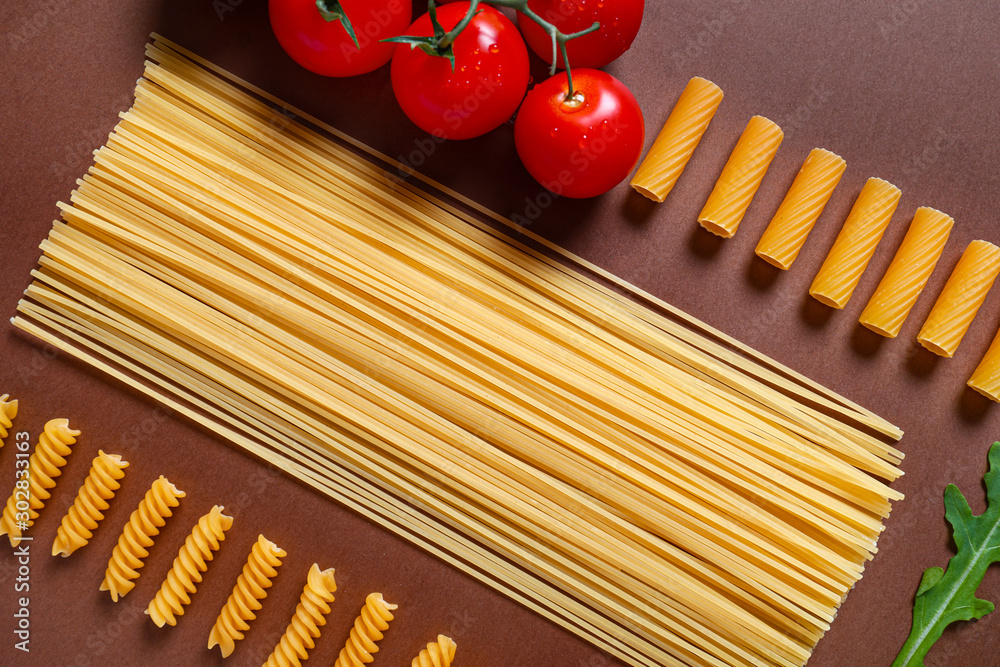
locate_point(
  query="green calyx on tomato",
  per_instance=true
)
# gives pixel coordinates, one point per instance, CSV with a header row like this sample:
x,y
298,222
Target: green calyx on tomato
x,y
331,10
440,43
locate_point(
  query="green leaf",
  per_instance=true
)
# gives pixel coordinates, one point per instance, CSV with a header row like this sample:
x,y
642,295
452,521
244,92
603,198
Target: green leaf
x,y
947,596
332,11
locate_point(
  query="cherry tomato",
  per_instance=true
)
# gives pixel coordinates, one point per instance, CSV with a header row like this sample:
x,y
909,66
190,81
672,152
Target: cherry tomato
x,y
324,47
619,19
484,89
585,146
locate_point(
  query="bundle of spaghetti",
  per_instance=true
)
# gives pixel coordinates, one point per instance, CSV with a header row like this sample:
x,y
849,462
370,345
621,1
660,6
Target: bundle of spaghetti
x,y
629,474
35,483
8,411
80,521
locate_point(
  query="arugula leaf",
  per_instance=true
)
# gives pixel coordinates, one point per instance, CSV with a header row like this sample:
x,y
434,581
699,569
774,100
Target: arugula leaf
x,y
946,596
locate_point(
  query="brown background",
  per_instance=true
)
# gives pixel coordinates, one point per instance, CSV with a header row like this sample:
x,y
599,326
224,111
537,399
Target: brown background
x,y
906,91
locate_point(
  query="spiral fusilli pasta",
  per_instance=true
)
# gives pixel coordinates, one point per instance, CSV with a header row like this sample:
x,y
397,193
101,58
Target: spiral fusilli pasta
x,y
8,410
186,573
310,615
261,566
368,629
78,526
34,482
437,654
137,536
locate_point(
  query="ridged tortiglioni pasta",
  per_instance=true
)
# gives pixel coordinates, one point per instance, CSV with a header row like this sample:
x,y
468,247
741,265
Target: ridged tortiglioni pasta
x,y
34,482
741,177
801,208
986,378
437,654
191,562
80,522
960,299
368,629
617,469
309,617
143,525
8,411
856,243
676,142
251,587
906,276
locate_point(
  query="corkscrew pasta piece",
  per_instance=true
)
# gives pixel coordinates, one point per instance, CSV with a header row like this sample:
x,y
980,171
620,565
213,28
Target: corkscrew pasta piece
x,y
190,564
137,536
960,299
309,617
678,139
91,502
848,258
369,628
8,410
801,208
437,654
905,278
741,177
986,378
261,566
34,482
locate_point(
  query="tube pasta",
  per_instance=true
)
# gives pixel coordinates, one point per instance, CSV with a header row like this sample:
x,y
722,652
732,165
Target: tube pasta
x,y
137,537
34,484
906,277
960,299
440,653
848,258
678,139
807,197
251,587
669,497
309,617
80,521
741,177
986,378
189,566
368,629
8,411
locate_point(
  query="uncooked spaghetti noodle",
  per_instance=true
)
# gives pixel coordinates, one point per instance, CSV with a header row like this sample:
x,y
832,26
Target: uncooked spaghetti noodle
x,y
626,472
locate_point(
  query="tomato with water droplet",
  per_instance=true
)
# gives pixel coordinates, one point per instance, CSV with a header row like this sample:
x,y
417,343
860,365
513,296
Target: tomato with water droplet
x,y
483,90
581,146
619,19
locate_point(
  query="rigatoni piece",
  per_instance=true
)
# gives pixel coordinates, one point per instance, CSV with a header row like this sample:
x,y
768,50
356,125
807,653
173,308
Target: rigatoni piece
x,y
960,299
676,142
856,243
741,177
986,378
905,278
802,206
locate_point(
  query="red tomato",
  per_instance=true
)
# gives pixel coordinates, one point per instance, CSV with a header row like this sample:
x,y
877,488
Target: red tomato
x,y
324,47
619,19
484,89
580,148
